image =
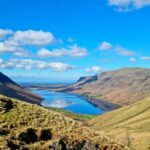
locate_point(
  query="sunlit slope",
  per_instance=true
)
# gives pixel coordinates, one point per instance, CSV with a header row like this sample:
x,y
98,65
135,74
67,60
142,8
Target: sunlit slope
x,y
24,125
123,86
131,124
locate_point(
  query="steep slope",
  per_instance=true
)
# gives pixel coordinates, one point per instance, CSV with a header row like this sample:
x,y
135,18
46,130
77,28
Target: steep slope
x,y
124,86
11,89
27,126
130,124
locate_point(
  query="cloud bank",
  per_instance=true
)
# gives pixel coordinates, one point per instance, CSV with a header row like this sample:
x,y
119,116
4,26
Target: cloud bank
x,y
73,51
93,69
115,48
128,5
29,64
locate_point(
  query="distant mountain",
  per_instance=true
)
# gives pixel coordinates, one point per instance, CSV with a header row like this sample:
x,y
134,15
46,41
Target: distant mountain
x,y
26,126
124,86
11,89
129,124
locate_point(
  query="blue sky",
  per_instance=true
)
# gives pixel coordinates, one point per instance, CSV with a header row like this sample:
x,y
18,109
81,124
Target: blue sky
x,y
61,40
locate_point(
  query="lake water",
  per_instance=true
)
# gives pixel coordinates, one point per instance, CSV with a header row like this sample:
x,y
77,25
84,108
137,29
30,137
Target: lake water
x,y
67,101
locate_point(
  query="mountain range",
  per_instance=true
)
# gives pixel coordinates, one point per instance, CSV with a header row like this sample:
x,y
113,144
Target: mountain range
x,y
122,87
11,89
28,126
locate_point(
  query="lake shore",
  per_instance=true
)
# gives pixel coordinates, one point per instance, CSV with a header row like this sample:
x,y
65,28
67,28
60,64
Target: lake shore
x,y
101,104
104,105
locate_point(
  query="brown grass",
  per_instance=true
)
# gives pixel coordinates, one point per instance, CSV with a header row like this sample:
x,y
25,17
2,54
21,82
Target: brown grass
x,y
130,124
26,126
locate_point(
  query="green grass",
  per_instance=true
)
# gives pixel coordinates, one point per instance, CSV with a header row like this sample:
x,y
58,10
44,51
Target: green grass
x,y
26,126
130,123
70,114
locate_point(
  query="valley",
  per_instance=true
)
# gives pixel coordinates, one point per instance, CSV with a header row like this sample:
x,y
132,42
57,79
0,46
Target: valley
x,y
59,112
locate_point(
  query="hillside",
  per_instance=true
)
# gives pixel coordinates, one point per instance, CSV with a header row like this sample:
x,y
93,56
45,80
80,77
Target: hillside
x,y
130,124
124,86
11,89
27,126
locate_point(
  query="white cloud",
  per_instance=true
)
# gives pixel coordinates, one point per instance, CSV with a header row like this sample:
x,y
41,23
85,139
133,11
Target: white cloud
x,y
29,64
17,41
145,58
47,53
6,47
133,59
128,5
105,46
32,37
60,67
71,40
12,47
22,53
4,32
93,69
74,51
117,49
124,52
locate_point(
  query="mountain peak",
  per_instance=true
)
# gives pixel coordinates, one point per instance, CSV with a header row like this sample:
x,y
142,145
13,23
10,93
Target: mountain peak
x,y
5,80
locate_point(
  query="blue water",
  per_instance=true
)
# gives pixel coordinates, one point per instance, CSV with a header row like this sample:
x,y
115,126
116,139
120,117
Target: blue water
x,y
67,101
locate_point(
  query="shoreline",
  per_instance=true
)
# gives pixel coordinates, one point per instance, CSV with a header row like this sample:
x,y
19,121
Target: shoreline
x,y
101,104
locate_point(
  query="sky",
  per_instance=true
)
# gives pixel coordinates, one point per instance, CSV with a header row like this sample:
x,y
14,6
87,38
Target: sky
x,y
62,40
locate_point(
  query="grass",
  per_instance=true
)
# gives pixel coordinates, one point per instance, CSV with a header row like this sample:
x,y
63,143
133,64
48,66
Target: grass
x,y
80,117
130,124
27,126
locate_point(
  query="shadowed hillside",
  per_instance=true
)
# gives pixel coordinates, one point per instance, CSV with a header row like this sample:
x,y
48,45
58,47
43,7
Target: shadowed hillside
x,y
11,89
124,86
130,124
27,126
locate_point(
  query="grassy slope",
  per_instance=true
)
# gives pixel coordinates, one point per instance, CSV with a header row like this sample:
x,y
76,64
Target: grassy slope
x,y
79,117
131,124
23,125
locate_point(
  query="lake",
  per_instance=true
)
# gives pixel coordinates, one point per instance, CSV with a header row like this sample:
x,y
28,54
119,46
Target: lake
x,y
67,101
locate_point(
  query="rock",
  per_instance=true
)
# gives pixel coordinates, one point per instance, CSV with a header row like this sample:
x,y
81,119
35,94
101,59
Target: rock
x,y
28,136
5,105
44,134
